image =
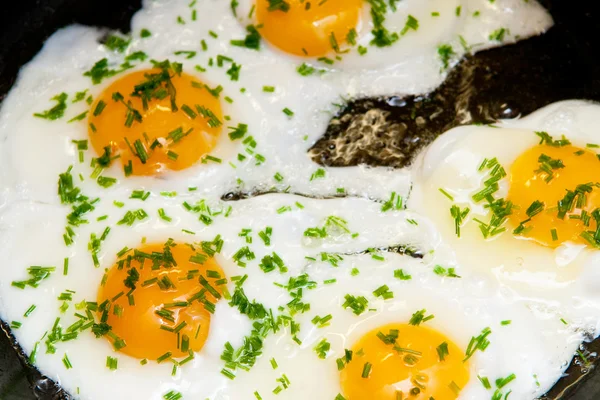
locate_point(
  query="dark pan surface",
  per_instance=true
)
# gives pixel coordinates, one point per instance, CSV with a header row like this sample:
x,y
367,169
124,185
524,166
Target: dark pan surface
x,y
500,83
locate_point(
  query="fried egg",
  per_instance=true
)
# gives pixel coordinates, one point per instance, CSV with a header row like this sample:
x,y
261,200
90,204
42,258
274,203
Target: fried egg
x,y
515,203
378,36
380,296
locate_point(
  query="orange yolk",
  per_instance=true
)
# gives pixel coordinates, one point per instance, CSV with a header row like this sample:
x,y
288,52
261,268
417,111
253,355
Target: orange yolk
x,y
547,174
309,28
407,366
167,310
165,129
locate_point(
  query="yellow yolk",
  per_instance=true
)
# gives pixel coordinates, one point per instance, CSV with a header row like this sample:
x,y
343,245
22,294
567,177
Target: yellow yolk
x,y
529,183
406,367
309,28
159,137
167,310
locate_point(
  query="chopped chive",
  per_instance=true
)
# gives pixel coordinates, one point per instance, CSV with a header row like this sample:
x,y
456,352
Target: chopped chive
x,y
480,342
67,362
501,382
99,108
29,311
172,394
419,317
400,274
442,351
112,363
366,370
485,382
445,193
164,357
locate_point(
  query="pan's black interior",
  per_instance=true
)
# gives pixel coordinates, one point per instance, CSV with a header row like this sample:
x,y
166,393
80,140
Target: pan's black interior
x,y
500,83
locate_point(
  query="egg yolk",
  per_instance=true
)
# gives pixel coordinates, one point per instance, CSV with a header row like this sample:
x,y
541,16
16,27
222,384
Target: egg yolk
x,y
554,192
400,361
155,120
308,28
157,300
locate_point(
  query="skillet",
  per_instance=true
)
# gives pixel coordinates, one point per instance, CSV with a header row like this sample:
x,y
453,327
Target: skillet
x,y
506,82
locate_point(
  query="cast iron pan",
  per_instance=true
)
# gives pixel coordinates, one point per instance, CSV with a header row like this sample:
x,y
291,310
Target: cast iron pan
x,y
506,82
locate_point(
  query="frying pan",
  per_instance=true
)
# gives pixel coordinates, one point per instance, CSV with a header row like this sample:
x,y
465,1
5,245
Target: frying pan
x,y
507,82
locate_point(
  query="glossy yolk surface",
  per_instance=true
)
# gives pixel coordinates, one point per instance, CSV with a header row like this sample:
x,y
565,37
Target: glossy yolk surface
x,y
166,311
407,367
157,124
551,175
307,27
